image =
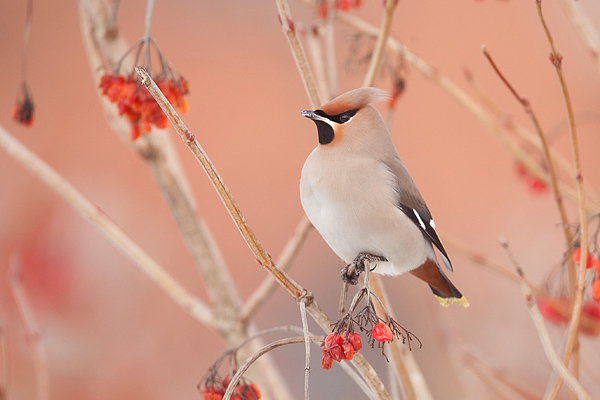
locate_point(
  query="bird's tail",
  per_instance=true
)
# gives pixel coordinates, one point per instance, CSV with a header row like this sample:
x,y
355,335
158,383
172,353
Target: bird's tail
x,y
442,288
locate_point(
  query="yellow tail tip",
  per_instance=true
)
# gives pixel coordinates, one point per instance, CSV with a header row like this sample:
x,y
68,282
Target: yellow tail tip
x,y
446,301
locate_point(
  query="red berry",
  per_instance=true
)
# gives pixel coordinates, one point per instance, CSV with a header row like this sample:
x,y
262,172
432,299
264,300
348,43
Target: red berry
x,y
349,351
327,360
337,352
382,333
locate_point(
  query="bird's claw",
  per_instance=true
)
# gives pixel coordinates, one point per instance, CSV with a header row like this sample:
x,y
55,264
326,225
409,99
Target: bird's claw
x,y
352,271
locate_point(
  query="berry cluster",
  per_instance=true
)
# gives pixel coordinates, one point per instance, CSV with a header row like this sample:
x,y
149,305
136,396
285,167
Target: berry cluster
x,y
557,311
134,101
243,391
341,5
340,347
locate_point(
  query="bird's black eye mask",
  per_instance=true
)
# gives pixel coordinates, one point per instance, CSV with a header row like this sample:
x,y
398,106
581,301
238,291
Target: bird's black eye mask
x,y
325,130
340,118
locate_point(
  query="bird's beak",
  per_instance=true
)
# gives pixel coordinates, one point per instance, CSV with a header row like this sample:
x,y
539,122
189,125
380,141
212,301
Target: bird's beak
x,y
310,114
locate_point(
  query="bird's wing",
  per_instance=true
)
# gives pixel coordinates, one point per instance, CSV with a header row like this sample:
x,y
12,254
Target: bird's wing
x,y
413,206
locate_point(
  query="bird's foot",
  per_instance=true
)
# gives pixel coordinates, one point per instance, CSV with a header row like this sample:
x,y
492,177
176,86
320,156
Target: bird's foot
x,y
352,271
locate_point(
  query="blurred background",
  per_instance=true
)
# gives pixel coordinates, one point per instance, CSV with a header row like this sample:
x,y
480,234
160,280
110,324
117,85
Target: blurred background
x,y
111,333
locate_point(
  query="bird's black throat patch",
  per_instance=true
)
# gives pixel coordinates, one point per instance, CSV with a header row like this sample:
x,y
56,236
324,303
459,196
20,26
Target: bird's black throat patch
x,y
326,133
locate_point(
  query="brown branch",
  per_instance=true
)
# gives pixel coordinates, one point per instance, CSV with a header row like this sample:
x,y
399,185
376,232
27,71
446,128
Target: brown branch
x,y
102,222
267,287
381,44
262,257
568,234
538,321
572,345
40,357
289,29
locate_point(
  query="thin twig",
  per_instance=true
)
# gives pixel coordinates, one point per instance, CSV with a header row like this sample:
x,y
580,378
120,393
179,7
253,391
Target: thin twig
x,y
264,350
381,44
102,222
306,347
583,26
517,128
40,357
262,257
465,100
572,346
267,287
538,321
568,234
289,29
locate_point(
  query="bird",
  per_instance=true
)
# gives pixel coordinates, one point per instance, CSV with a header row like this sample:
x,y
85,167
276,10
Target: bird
x,y
359,195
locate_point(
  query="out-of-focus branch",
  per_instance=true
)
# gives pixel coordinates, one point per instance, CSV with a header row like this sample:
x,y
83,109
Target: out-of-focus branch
x,y
466,101
96,216
256,247
40,358
289,29
494,379
583,26
381,44
538,321
105,46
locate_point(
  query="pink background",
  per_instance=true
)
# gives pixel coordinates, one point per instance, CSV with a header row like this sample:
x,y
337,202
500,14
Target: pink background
x,y
111,333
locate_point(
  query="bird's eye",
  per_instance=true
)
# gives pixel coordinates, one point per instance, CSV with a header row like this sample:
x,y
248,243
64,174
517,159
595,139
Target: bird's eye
x,y
345,117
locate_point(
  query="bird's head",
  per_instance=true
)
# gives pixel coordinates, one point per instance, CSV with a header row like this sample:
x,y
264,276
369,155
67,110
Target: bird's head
x,y
348,115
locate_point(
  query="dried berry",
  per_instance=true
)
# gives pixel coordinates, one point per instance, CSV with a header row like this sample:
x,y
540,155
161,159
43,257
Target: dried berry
x,y
382,333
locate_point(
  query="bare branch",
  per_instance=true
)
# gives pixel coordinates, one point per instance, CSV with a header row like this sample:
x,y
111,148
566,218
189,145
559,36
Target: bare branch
x,y
98,218
306,347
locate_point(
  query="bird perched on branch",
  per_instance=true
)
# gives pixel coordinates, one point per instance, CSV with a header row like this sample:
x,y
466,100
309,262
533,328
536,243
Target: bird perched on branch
x,y
359,195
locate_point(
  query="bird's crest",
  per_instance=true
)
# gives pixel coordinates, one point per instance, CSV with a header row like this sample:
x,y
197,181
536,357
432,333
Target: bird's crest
x,y
355,100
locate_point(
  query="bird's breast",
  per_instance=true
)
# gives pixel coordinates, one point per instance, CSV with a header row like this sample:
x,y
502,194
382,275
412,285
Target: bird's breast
x,y
352,202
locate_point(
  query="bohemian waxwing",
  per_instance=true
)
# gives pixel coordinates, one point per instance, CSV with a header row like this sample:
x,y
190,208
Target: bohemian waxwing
x,y
361,198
